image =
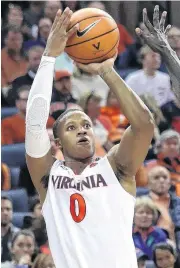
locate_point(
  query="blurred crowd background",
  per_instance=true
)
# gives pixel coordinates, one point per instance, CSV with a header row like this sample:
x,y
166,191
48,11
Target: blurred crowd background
x,y
24,32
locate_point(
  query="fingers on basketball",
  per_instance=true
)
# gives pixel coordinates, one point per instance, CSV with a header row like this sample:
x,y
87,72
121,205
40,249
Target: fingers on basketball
x,y
64,18
58,15
67,19
73,30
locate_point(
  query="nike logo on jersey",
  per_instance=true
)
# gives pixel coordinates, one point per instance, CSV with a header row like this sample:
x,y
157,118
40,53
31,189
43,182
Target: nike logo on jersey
x,y
87,29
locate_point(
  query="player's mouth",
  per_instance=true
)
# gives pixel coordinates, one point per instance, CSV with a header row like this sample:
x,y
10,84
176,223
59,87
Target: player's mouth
x,y
83,141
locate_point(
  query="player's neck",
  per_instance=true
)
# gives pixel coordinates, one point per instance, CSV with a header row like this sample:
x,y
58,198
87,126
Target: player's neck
x,y
77,165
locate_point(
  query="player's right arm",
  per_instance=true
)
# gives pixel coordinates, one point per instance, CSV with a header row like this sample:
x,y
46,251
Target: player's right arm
x,y
38,149
155,37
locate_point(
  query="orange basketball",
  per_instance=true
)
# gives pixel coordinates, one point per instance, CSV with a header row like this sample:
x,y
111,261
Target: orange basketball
x,y
97,38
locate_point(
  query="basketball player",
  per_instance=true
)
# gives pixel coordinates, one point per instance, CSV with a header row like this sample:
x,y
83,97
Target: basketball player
x,y
88,204
157,40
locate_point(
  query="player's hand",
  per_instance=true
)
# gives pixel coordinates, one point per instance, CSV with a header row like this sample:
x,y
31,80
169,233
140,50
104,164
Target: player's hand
x,y
97,68
155,37
59,35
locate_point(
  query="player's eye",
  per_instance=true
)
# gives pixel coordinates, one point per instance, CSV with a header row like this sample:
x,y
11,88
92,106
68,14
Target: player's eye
x,y
69,128
87,126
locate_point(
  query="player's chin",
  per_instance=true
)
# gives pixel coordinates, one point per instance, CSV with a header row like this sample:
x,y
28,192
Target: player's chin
x,y
84,152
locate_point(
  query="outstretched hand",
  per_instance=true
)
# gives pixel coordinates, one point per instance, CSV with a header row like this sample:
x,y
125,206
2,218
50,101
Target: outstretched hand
x,y
156,35
59,34
97,68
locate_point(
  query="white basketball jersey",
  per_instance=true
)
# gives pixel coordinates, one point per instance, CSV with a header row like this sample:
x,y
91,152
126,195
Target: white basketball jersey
x,y
89,218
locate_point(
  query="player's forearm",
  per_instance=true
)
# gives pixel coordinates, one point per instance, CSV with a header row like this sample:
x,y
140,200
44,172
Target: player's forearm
x,y
37,140
42,84
172,63
131,105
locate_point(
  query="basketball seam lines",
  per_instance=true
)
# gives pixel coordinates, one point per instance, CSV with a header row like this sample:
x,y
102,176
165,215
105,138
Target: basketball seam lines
x,y
96,57
92,38
101,16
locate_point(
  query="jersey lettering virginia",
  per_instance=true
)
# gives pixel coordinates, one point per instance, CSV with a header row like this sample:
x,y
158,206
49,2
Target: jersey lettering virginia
x,y
89,218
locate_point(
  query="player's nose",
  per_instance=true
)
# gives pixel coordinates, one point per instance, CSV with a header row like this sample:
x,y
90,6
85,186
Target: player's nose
x,y
81,132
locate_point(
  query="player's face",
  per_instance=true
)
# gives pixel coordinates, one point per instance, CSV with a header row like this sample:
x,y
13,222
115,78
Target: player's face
x,y
76,136
143,217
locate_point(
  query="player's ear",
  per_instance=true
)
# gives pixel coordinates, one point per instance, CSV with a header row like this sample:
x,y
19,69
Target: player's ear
x,y
58,143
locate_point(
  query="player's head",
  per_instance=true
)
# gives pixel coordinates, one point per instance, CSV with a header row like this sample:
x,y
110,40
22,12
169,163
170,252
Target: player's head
x,y
74,134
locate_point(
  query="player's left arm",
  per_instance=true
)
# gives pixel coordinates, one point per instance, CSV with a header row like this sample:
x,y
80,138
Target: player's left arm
x,y
127,157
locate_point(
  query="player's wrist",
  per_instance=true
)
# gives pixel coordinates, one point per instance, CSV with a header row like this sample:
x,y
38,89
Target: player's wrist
x,y
104,71
49,53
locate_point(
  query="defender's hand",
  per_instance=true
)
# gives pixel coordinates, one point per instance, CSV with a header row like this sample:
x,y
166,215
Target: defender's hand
x,y
59,35
97,68
156,38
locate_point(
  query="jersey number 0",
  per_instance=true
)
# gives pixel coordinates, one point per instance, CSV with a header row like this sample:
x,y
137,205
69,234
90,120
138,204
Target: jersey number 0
x,y
77,217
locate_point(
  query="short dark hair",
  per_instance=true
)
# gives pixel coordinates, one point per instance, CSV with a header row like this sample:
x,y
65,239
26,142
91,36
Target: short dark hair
x,y
5,197
59,119
164,246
